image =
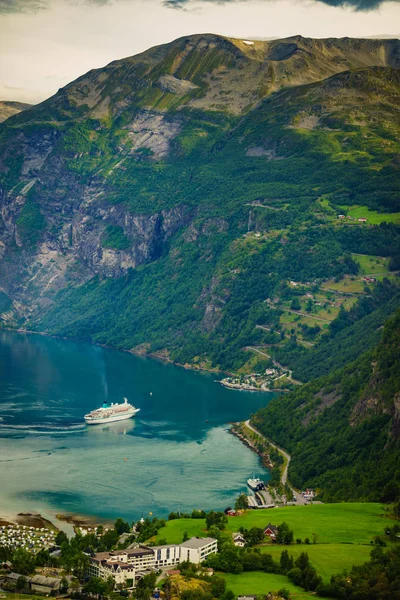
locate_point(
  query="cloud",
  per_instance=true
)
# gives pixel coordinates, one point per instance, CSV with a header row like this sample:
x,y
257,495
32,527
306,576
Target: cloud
x,y
362,5
19,6
32,6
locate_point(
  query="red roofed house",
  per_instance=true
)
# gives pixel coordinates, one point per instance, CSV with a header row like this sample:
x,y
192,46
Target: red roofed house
x,y
271,531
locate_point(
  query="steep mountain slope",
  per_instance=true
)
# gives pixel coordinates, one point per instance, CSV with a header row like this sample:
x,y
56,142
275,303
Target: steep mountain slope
x,y
126,196
8,108
344,429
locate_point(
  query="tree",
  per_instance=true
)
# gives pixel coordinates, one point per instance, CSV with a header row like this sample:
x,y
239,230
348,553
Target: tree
x,y
241,502
286,562
167,588
285,534
60,538
218,586
295,304
146,586
121,527
302,561
95,587
64,585
21,583
185,536
254,536
219,519
23,562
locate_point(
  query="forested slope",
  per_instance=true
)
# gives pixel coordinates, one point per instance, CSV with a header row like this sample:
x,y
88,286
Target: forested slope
x,y
343,429
183,200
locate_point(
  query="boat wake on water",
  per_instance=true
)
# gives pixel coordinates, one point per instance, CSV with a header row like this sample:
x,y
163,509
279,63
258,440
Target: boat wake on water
x,y
42,429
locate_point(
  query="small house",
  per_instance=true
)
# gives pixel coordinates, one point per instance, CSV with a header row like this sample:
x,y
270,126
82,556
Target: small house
x,y
362,220
271,531
342,217
238,540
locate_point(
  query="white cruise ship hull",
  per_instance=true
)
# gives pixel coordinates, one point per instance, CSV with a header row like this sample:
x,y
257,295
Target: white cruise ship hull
x,y
111,419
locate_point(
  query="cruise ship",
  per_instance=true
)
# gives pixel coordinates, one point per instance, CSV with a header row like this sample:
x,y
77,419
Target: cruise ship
x,y
255,484
108,413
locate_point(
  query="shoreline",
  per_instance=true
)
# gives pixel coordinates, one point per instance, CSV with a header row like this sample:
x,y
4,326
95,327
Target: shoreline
x,y
266,461
134,352
238,387
59,522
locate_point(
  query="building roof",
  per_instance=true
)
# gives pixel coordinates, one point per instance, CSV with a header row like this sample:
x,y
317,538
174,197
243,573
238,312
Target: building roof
x,y
141,551
272,527
51,582
195,543
16,576
165,546
107,556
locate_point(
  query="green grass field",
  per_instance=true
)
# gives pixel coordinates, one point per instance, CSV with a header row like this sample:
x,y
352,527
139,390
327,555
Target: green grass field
x,y
260,583
327,559
355,522
344,532
373,217
346,285
371,264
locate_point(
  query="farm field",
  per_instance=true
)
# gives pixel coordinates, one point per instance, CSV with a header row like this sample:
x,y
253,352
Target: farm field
x,y
373,217
342,523
349,285
327,559
371,264
259,583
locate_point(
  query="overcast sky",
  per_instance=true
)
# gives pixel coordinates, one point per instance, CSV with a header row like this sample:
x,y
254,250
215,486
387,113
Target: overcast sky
x,y
44,44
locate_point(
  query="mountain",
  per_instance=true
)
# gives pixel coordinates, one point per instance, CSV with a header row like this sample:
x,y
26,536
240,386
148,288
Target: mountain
x,y
344,429
180,201
8,108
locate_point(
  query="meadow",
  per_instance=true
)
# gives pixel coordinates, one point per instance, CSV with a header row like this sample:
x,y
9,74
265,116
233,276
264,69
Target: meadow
x,y
370,265
373,217
259,583
341,523
327,559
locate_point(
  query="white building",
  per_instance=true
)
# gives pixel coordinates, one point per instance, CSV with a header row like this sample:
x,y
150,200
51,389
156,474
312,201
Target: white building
x,y
196,550
131,563
121,564
166,556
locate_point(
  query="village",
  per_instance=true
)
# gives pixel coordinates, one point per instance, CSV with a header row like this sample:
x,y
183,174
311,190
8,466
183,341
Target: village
x,y
261,382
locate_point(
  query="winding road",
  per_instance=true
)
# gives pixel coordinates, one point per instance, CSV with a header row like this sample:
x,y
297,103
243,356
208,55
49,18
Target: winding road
x,y
285,454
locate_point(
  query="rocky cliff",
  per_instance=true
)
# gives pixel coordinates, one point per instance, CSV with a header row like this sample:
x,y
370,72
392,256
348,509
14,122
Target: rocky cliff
x,y
140,179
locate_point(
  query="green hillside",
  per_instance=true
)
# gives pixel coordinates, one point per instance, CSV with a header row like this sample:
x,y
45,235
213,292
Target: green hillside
x,y
181,202
343,429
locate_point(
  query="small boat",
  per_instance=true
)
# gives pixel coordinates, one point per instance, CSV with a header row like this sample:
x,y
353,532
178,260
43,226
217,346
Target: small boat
x,y
255,484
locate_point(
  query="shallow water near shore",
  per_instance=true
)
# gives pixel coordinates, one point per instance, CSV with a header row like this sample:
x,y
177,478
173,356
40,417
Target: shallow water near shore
x,y
175,455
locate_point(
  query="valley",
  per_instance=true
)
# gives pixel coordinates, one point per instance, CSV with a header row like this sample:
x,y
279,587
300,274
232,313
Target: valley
x,y
230,206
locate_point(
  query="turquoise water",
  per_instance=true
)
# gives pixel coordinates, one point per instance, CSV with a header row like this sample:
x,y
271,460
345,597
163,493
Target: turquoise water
x,y
175,455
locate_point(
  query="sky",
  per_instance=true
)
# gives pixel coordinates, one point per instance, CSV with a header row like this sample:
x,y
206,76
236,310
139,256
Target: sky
x,y
45,44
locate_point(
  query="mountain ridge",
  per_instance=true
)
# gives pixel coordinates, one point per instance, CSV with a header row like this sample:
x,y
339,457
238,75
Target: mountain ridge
x,y
133,175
